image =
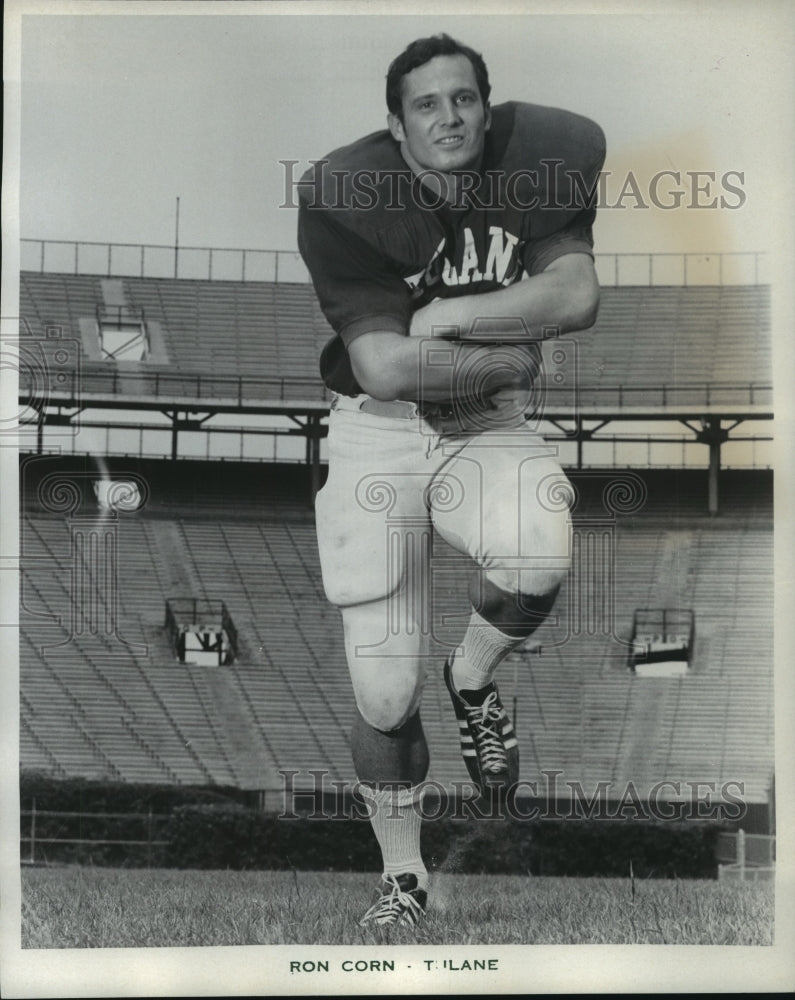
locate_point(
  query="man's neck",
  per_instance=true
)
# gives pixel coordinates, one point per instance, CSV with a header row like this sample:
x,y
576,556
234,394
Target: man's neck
x,y
440,184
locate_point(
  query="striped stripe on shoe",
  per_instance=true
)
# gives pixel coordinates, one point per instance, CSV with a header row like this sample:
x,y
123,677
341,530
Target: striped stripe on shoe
x,y
488,741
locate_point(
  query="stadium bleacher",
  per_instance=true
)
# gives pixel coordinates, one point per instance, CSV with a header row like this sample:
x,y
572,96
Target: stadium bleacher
x,y
286,702
645,338
120,705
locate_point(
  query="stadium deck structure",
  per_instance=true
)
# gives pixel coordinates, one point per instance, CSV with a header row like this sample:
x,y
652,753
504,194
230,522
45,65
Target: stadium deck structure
x,y
101,691
697,355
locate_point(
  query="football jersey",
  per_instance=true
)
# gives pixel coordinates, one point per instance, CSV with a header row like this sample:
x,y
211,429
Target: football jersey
x,y
379,243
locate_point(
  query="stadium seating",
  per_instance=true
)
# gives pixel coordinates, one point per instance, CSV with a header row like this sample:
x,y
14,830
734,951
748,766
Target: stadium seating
x,y
645,339
96,706
120,705
58,300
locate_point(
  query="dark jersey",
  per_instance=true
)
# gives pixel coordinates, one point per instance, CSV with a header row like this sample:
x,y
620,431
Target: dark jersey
x,y
379,244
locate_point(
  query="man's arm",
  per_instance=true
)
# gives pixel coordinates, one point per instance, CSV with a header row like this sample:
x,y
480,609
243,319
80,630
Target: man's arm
x,y
390,366
564,295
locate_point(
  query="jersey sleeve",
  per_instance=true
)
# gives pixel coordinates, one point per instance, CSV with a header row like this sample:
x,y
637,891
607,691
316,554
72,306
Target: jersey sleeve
x,y
576,237
572,153
359,292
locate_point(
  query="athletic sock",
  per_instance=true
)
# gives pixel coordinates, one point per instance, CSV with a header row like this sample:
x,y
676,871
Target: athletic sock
x,y
476,659
396,817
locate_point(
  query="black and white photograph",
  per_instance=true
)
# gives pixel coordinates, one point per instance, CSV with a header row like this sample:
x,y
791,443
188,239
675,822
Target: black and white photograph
x,y
395,446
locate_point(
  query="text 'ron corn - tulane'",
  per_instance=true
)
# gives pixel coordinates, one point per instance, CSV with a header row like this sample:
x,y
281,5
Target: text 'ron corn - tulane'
x,y
388,965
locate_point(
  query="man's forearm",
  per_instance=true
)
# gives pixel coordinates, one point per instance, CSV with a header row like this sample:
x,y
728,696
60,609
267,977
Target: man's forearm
x,y
522,311
433,371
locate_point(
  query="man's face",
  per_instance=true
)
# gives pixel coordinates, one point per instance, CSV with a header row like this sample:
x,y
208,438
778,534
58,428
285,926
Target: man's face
x,y
444,119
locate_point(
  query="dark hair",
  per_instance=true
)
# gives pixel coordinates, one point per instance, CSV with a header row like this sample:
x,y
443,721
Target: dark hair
x,y
422,51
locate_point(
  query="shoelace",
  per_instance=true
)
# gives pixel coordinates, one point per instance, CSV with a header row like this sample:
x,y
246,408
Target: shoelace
x,y
485,719
391,906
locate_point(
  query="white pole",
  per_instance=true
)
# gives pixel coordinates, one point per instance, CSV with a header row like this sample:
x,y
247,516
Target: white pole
x,y
176,240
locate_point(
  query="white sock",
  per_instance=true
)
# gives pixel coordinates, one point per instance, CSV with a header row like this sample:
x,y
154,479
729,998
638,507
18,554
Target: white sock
x,y
481,649
396,817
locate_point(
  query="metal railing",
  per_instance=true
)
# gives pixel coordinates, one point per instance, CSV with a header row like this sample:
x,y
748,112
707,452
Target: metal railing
x,y
682,269
73,385
676,394
34,838
159,260
119,316
746,856
181,611
746,848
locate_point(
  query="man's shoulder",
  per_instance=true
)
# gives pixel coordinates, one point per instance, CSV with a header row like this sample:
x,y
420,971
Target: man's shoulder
x,y
525,135
547,161
370,161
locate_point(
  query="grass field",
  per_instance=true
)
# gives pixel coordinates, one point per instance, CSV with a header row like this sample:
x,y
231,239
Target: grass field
x,y
103,908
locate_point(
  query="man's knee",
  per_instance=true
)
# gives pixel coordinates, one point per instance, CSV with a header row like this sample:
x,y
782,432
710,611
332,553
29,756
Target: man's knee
x,y
387,710
541,567
520,583
542,581
528,551
370,581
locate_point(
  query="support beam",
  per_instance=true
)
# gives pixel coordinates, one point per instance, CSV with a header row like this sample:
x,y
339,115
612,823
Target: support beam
x,y
582,433
713,434
174,434
714,475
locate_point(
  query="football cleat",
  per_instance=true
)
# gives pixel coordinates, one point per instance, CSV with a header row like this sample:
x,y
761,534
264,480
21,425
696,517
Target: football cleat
x,y
488,741
401,902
